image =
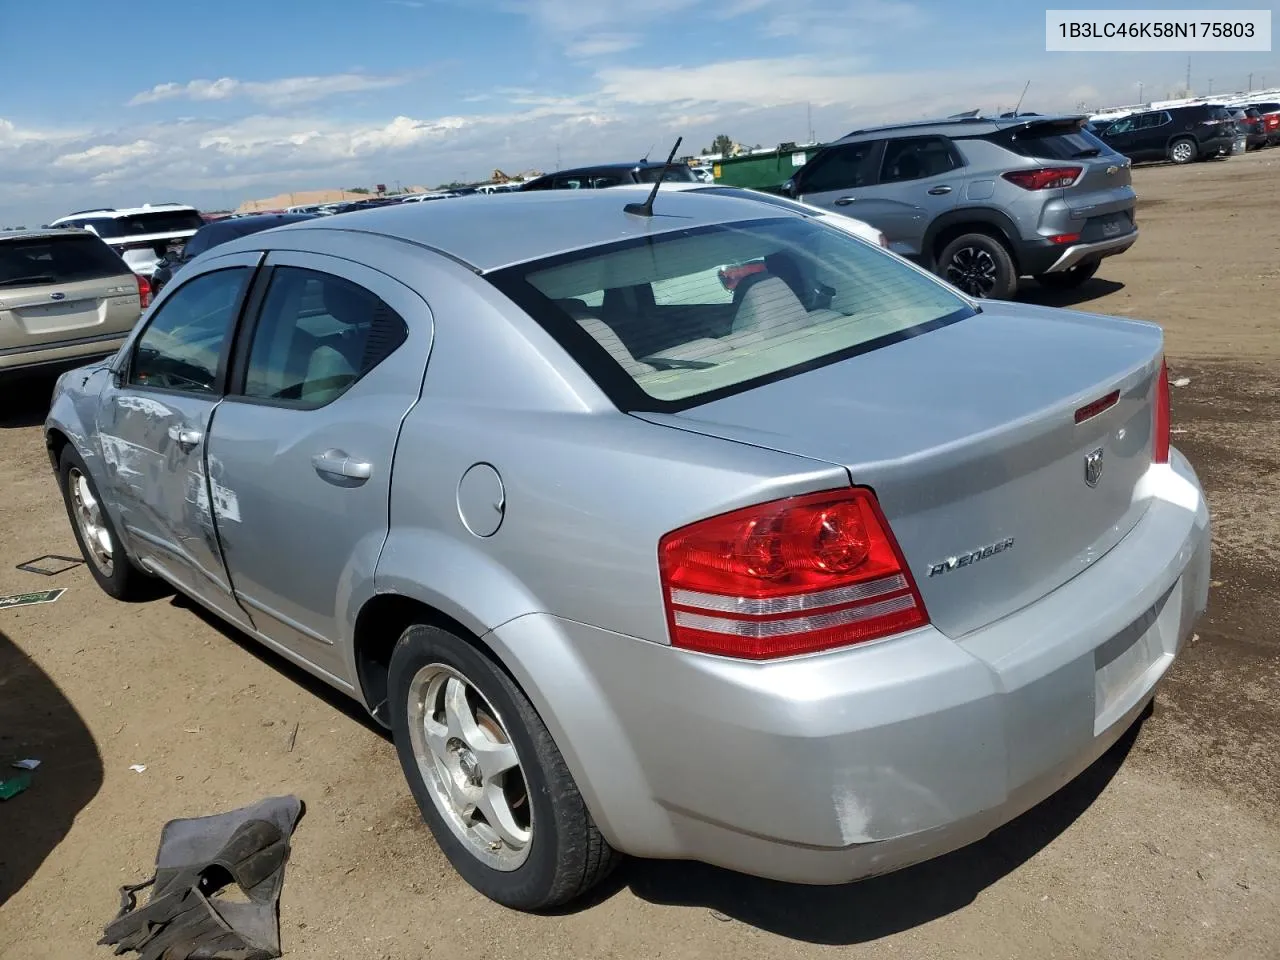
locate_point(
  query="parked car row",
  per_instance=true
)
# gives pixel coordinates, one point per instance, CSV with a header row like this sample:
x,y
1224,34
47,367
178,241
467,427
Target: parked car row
x,y
1185,134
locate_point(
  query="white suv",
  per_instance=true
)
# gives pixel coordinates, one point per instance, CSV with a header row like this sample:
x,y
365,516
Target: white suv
x,y
141,235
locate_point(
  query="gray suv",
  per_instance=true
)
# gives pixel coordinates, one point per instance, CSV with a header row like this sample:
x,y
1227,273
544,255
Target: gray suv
x,y
983,201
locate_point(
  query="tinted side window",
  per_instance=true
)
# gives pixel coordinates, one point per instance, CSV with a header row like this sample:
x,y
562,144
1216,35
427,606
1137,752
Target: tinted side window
x,y
182,344
1127,125
316,335
916,158
1151,120
843,167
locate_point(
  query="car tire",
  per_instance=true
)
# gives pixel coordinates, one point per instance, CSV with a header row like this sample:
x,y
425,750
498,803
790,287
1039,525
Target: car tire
x,y
1069,279
446,697
96,535
980,265
1183,150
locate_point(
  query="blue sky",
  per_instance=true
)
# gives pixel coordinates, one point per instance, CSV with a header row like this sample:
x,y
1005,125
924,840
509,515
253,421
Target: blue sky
x,y
217,103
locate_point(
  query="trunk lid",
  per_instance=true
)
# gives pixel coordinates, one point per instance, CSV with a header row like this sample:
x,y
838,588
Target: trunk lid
x,y
1103,194
968,437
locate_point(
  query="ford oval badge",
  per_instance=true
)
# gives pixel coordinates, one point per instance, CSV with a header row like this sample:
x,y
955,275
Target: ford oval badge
x,y
57,296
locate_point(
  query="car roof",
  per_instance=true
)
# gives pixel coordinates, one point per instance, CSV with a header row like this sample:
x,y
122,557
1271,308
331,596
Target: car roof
x,y
113,213
489,232
956,126
38,232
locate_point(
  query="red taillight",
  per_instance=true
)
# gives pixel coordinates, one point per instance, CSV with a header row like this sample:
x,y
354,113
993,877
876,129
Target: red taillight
x,y
1160,417
144,290
1065,238
788,577
1046,178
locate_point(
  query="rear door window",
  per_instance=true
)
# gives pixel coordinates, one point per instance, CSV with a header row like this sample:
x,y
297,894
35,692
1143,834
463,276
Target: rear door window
x,y
842,167
69,259
316,335
916,158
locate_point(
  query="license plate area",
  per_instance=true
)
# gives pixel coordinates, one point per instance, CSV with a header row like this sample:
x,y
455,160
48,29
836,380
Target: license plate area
x,y
1127,665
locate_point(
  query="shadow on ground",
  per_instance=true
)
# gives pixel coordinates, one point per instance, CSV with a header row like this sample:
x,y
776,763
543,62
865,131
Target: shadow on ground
x,y
25,398
317,687
37,721
1093,289
875,908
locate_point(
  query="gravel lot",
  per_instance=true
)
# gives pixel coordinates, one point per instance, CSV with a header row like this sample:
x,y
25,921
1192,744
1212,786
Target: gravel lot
x,y
1168,847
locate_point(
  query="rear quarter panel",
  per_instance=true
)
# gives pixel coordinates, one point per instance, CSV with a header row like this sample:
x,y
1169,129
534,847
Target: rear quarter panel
x,y
588,490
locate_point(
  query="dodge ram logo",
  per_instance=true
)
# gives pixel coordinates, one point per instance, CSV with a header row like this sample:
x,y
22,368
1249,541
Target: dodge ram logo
x,y
1093,467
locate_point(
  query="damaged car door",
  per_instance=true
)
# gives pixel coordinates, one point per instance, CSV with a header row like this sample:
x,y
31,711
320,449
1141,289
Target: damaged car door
x,y
152,424
324,373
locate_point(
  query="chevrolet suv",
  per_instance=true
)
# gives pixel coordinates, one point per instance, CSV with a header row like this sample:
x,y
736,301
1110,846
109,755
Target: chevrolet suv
x,y
982,202
141,235
1198,131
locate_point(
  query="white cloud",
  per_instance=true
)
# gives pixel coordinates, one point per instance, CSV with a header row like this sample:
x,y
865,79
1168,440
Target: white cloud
x,y
281,92
765,82
106,156
602,45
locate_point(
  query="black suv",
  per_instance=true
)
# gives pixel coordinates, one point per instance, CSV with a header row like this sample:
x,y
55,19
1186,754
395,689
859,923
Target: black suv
x,y
219,232
1176,134
610,175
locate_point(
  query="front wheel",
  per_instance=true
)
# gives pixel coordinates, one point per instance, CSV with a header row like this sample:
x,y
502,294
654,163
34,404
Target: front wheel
x,y
489,780
1182,151
99,543
1068,279
980,266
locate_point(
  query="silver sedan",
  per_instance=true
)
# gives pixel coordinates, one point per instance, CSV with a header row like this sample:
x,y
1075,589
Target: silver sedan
x,y
716,533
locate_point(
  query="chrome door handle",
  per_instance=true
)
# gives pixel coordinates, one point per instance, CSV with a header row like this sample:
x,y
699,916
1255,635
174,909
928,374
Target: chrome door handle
x,y
939,191
336,463
845,201
188,440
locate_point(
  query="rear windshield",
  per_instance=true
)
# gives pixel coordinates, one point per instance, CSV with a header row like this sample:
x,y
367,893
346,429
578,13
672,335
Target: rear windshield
x,y
143,224
42,260
678,172
1053,142
667,322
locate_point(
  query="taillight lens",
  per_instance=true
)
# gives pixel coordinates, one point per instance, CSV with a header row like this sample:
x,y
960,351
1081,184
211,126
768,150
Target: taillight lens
x,y
788,577
1160,417
144,290
1046,178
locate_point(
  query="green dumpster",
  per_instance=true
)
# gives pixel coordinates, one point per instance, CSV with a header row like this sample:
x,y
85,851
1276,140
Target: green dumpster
x,y
764,169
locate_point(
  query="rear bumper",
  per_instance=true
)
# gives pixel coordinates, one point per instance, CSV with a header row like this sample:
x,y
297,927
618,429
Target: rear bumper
x,y
830,768
1040,256
54,354
1217,146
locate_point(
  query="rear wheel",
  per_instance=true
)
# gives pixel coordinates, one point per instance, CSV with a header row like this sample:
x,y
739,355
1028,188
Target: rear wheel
x,y
1068,279
491,783
99,543
1182,150
980,266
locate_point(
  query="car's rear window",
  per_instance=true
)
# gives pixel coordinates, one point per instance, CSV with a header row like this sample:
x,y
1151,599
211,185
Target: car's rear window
x,y
44,260
1053,142
667,322
144,224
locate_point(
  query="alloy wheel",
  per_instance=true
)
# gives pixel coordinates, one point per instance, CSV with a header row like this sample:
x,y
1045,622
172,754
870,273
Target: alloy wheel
x,y
470,767
1182,152
973,270
92,524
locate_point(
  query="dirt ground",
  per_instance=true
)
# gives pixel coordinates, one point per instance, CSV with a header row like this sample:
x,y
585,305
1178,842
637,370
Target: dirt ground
x,y
1168,847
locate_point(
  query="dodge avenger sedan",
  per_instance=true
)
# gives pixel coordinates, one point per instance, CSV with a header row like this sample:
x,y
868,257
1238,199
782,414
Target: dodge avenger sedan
x,y
812,578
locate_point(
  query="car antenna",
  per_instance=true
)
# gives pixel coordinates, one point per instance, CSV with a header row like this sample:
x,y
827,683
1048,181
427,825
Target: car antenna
x,y
645,158
646,209
1018,106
